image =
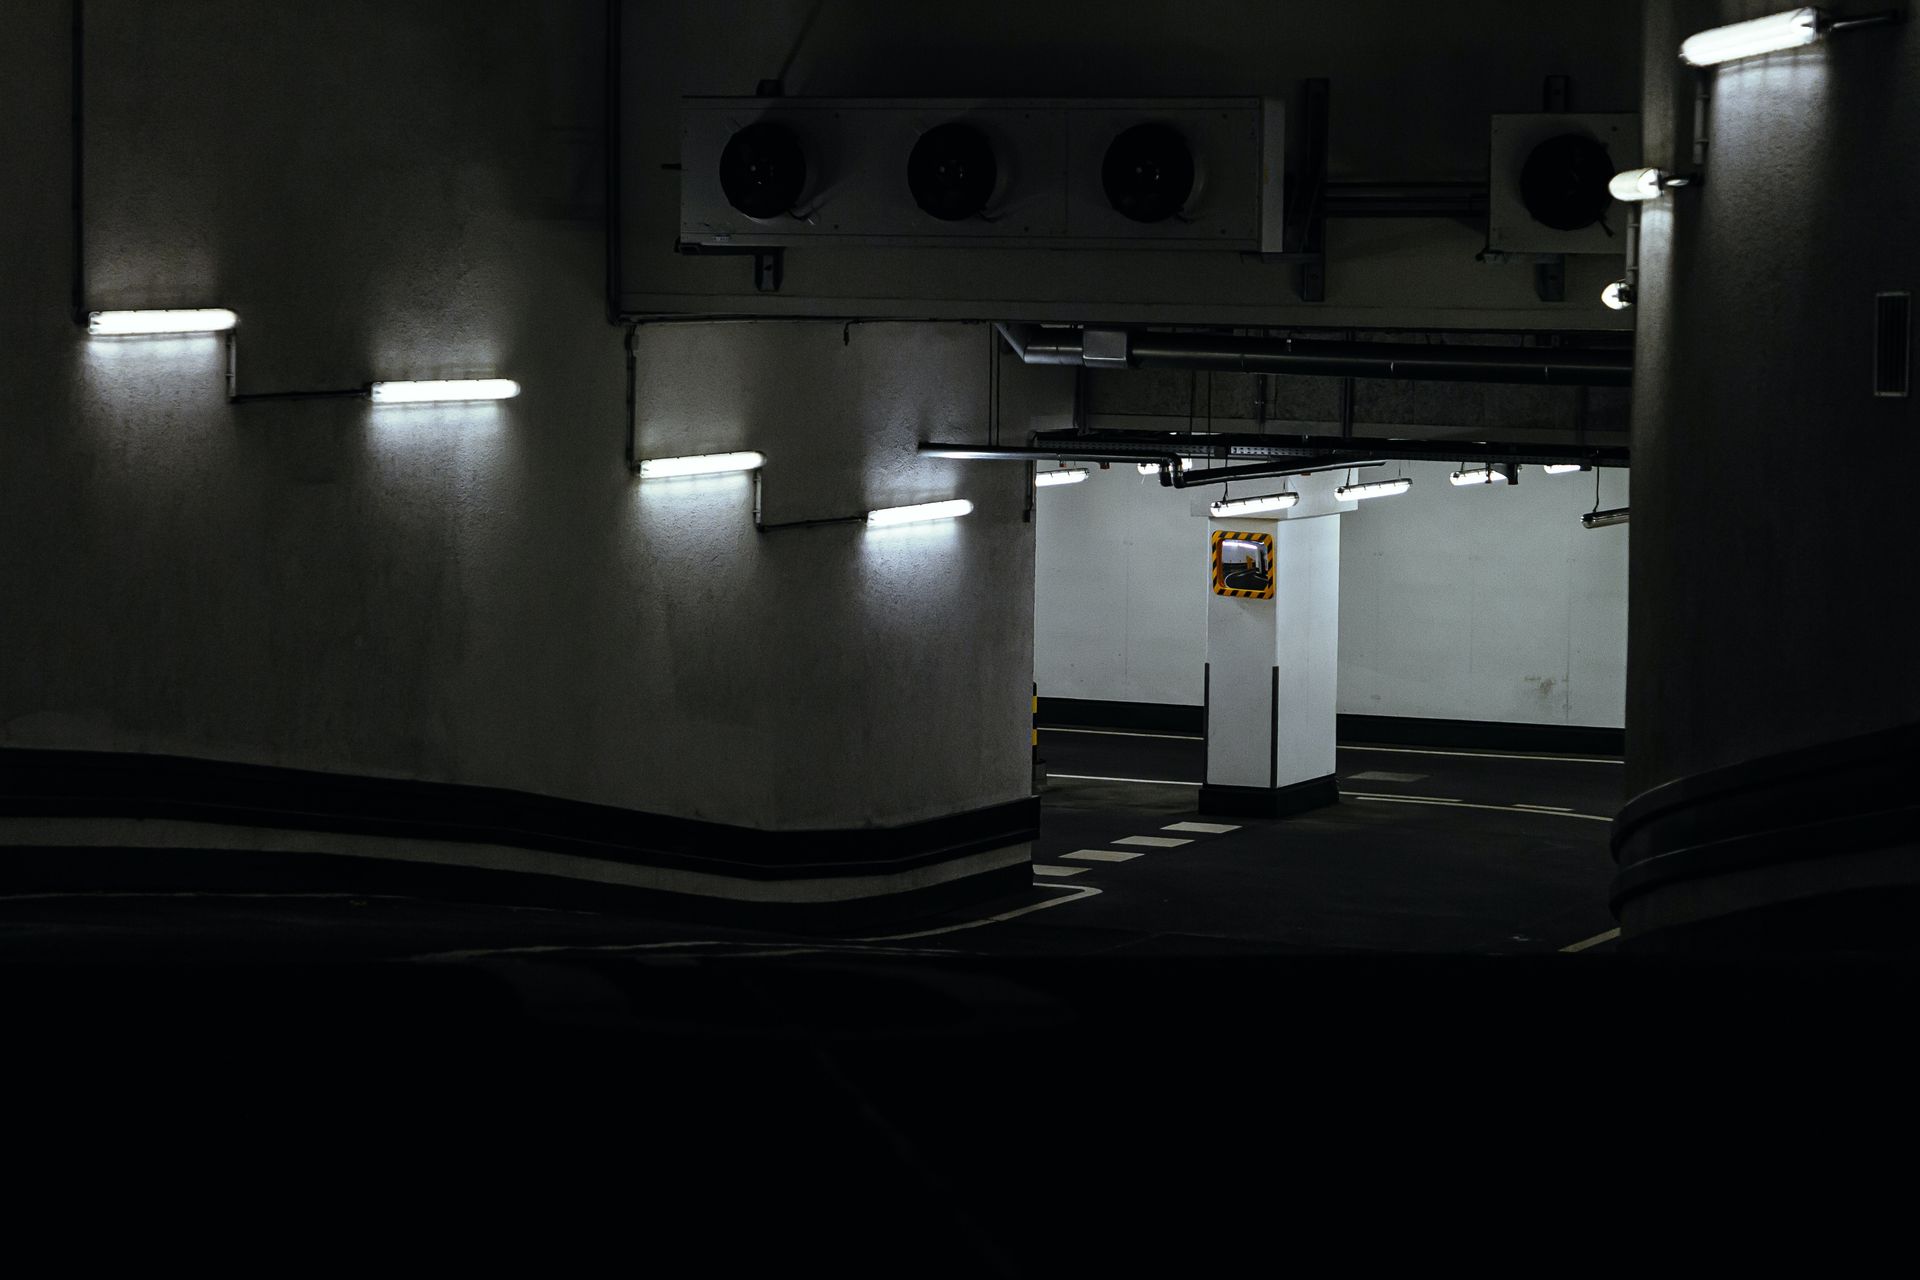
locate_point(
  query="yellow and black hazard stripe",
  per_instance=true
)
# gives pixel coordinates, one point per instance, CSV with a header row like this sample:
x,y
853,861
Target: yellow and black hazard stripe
x,y
1220,587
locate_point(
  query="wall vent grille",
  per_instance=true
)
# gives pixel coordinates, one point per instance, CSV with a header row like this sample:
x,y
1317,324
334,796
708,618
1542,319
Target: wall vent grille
x,y
1892,343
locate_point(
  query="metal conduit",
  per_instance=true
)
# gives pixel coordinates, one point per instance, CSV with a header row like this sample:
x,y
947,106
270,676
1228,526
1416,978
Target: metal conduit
x,y
1560,366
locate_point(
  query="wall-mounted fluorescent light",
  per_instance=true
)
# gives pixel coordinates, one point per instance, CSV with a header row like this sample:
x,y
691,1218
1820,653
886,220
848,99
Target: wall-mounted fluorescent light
x,y
1618,295
1251,506
1770,34
444,389
1563,468
1065,475
952,510
1638,184
1373,489
1601,519
1478,475
128,323
706,464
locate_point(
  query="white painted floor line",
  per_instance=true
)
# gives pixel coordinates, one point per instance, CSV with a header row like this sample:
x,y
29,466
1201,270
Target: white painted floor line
x,y
1375,795
1126,733
1484,755
1155,842
1043,869
1462,804
1074,894
1544,808
1204,828
1103,855
1151,782
1594,941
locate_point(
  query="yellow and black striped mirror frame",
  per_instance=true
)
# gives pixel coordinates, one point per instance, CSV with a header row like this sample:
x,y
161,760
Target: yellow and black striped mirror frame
x,y
1220,587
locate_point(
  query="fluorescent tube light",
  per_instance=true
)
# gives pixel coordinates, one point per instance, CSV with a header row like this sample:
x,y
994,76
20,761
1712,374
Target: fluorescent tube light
x,y
1563,468
1065,475
1373,489
1478,475
1249,506
1601,519
444,389
952,510
705,464
1153,468
128,323
1776,31
1638,184
1618,295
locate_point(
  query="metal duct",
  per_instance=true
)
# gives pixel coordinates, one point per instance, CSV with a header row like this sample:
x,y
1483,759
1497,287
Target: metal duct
x,y
1560,366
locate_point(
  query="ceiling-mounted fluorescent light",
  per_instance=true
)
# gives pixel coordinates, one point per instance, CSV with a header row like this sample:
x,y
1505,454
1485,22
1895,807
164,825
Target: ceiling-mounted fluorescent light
x,y
1601,519
1618,295
133,323
952,510
1149,468
1251,506
1563,468
443,389
1478,475
1065,475
1776,31
1373,489
705,464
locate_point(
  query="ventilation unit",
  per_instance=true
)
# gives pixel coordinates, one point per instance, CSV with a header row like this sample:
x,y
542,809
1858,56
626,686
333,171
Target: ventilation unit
x,y
1892,343
1547,178
1014,173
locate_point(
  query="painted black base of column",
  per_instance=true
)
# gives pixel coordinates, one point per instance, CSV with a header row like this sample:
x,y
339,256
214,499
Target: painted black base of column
x,y
1269,802
489,845
1809,850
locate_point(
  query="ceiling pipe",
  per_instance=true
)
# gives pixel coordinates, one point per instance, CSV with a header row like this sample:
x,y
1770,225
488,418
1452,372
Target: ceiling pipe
x,y
1275,468
1035,345
1326,452
1114,348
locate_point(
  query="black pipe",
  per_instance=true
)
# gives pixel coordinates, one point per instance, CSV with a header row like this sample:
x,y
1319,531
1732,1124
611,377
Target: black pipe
x,y
1316,450
1272,468
1556,365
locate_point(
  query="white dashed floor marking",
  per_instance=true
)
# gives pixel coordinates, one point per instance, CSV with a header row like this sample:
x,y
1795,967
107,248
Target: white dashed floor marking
x,y
1202,828
1102,855
1154,842
1042,869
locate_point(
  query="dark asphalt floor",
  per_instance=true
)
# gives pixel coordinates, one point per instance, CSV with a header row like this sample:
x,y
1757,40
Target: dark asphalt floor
x,y
1428,853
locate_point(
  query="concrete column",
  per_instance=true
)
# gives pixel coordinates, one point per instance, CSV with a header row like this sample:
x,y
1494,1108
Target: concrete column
x,y
1272,664
1772,695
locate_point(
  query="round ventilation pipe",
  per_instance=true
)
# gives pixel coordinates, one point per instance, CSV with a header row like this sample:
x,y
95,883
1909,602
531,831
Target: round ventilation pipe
x,y
1148,173
763,170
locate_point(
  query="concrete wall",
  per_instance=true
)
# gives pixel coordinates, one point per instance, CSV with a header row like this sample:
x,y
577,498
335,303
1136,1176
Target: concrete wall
x,y
1454,604
473,594
1772,603
1485,603
1412,87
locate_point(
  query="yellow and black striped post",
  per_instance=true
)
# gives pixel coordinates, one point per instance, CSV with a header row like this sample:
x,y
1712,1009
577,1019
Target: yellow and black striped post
x,y
1039,774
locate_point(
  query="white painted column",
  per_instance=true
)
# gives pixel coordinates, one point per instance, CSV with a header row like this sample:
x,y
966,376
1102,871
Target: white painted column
x,y
1273,665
